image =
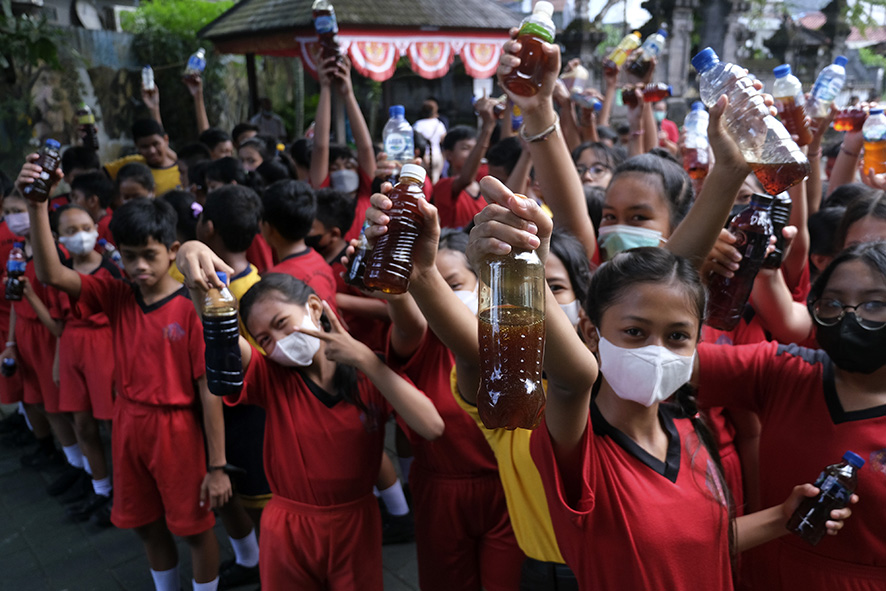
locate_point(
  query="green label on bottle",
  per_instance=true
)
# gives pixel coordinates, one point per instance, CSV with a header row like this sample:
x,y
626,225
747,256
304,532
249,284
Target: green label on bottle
x,y
538,31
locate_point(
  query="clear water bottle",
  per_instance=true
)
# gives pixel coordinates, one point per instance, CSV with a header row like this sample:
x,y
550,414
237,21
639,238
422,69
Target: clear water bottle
x,y
15,270
836,485
196,63
696,159
827,86
789,100
111,252
764,142
398,136
874,132
221,333
641,60
148,78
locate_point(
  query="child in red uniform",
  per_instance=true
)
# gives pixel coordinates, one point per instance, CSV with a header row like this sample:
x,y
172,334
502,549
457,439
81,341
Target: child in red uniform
x,y
94,193
289,211
324,434
10,387
85,359
160,472
815,405
457,196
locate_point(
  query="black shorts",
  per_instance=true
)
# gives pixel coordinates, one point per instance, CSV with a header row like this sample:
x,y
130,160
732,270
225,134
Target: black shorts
x,y
244,441
546,576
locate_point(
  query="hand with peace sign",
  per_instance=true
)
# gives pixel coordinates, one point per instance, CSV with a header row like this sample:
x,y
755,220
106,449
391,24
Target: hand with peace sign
x,y
341,347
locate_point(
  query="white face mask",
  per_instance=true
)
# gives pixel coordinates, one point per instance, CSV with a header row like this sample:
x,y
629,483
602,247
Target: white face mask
x,y
18,223
468,298
345,180
645,375
571,309
79,243
297,349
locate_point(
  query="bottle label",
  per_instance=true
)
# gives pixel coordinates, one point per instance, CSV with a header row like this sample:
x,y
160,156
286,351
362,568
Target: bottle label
x,y
832,487
395,145
325,24
15,266
828,88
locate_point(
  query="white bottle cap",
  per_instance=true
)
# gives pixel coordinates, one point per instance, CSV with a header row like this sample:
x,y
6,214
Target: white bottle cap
x,y
545,8
415,171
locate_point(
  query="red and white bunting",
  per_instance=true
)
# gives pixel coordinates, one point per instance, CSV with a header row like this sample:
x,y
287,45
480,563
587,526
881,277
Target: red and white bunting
x,y
481,59
374,59
431,59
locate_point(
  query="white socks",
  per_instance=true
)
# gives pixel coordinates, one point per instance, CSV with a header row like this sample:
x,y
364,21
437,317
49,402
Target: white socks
x,y
245,550
74,455
167,580
395,500
102,486
210,586
21,410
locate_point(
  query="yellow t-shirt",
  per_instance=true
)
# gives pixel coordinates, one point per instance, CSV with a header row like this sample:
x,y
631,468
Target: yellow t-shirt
x,y
239,285
524,492
165,179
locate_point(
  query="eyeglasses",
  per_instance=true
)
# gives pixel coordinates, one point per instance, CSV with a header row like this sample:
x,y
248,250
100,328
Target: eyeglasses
x,y
595,170
870,315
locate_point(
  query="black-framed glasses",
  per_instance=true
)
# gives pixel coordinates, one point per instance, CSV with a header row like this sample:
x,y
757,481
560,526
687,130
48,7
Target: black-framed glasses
x,y
870,315
595,170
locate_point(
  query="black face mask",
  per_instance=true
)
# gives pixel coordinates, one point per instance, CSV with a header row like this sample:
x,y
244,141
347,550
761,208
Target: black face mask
x,y
852,347
313,241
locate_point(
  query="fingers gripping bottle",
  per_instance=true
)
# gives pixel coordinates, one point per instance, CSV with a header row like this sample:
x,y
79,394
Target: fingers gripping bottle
x,y
512,341
390,263
86,127
874,132
537,28
827,86
221,332
196,63
48,161
620,54
357,267
642,59
789,101
764,142
836,485
15,269
696,159
728,295
326,26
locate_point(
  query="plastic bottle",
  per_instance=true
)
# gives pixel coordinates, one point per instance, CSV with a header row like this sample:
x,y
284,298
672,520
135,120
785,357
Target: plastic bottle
x,y
696,159
728,295
652,93
789,100
49,161
836,483
641,61
357,267
620,54
111,252
576,79
15,269
390,264
398,136
148,78
780,216
86,126
537,28
874,132
764,142
827,86
8,367
221,332
851,119
196,63
327,28
512,341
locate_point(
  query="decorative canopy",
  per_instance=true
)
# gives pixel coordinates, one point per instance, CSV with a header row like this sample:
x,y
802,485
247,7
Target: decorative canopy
x,y
374,33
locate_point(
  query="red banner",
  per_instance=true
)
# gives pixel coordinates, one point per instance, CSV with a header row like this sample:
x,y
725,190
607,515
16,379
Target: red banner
x,y
375,60
431,59
481,59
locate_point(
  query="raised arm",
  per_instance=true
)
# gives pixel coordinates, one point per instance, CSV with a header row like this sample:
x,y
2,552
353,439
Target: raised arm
x,y
408,326
814,195
788,321
468,172
322,124
518,180
362,137
195,87
611,84
846,166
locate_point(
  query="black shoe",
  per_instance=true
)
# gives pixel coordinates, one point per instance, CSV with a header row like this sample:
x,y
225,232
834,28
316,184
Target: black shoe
x,y
102,516
69,476
12,423
42,458
21,438
78,491
84,510
231,574
398,529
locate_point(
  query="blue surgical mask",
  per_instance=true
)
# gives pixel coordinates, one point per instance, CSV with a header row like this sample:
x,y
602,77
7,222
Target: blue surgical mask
x,y
659,116
616,239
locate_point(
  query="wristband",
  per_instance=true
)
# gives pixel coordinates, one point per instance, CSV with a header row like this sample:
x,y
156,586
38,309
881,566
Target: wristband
x,y
228,469
848,153
816,154
10,344
544,135
637,133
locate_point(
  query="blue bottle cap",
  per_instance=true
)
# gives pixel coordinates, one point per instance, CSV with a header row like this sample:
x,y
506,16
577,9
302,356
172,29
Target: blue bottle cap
x,y
875,112
704,59
698,106
782,70
854,459
17,245
841,60
222,276
598,106
102,242
9,362
663,33
51,143
670,90
397,111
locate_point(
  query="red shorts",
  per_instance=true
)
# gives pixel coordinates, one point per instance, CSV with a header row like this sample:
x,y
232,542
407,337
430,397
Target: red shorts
x,y
159,465
86,371
35,346
463,534
307,547
11,390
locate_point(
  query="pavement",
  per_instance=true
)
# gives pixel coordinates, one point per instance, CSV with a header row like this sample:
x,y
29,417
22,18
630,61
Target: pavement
x,y
41,550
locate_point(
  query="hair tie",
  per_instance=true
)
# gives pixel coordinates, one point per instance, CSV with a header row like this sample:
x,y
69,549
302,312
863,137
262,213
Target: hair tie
x,y
197,209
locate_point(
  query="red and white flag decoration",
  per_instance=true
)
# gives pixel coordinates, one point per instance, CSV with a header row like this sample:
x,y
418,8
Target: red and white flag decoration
x,y
431,59
374,59
481,59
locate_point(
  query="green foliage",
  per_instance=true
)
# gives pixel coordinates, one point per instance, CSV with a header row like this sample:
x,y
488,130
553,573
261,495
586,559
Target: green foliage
x,y
870,58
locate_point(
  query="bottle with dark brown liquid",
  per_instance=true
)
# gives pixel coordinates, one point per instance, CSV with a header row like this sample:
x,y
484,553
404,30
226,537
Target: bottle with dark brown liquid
x,y
48,161
780,216
728,295
652,93
850,119
390,264
512,341
536,29
789,101
696,160
326,26
617,56
86,127
357,266
221,333
641,60
15,270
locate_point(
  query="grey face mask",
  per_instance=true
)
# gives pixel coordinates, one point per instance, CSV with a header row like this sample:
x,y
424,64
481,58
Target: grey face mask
x,y
345,180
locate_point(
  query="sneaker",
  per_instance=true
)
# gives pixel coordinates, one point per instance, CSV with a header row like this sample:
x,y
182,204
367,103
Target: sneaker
x,y
84,510
12,423
69,476
78,491
231,574
398,529
102,516
42,458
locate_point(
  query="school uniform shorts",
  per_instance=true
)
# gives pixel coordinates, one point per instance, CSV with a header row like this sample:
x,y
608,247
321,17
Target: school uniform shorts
x,y
36,353
86,372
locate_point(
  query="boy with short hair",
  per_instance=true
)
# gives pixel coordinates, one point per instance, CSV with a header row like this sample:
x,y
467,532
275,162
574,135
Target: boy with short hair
x,y
134,180
152,144
289,211
161,478
94,193
218,141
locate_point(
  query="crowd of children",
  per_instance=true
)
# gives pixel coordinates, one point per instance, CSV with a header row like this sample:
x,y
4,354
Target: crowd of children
x,y
670,455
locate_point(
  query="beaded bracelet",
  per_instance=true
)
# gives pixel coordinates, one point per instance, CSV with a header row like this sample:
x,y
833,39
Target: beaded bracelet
x,y
544,135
